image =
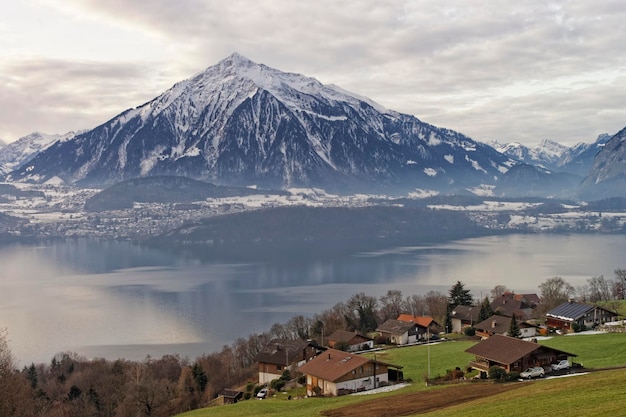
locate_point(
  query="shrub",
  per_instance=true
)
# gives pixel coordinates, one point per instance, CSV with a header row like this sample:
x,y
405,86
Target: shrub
x,y
277,384
469,331
497,373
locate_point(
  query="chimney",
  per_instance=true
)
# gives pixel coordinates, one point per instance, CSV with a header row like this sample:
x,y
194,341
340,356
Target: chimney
x,y
329,356
493,324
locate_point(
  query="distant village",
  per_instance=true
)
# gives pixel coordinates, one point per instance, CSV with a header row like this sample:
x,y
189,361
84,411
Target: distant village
x,y
53,211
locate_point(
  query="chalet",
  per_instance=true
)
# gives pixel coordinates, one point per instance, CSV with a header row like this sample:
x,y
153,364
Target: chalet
x,y
426,325
336,373
570,314
281,354
349,341
501,325
508,304
464,316
512,354
399,332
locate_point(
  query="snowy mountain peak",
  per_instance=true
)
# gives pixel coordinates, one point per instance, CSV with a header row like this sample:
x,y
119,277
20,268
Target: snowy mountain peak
x,y
242,123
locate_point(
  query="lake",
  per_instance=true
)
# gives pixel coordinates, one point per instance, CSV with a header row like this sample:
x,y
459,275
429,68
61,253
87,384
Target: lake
x,y
119,300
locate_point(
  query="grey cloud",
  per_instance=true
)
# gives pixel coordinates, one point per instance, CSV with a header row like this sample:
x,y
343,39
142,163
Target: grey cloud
x,y
56,96
454,64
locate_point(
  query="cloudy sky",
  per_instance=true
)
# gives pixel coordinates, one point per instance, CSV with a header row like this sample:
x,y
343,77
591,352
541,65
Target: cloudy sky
x,y
493,70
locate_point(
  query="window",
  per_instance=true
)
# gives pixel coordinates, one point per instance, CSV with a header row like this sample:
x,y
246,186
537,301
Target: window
x,y
279,368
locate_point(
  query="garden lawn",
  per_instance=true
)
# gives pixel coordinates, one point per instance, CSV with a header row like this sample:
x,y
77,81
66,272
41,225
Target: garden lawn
x,y
596,393
592,350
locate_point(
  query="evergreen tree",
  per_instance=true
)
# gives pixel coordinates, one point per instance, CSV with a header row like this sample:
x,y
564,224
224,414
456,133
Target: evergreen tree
x,y
458,295
199,376
485,310
514,330
448,323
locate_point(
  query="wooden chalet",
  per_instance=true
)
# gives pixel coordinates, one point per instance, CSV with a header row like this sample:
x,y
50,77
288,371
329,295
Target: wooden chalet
x,y
426,325
501,325
281,354
350,341
566,315
512,354
336,372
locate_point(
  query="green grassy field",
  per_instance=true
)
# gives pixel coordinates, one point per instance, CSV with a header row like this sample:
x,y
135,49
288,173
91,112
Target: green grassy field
x,y
591,394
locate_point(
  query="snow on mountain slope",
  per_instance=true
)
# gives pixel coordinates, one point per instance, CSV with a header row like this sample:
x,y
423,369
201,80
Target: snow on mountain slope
x,y
242,123
16,153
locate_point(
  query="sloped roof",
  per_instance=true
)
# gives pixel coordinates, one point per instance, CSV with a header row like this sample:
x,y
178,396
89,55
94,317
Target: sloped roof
x,y
506,350
466,313
231,393
333,364
346,336
496,324
509,305
395,326
570,311
422,321
274,351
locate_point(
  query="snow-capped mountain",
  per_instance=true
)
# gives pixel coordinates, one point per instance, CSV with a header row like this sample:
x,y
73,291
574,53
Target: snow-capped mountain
x,y
22,150
607,177
546,154
550,155
242,123
578,159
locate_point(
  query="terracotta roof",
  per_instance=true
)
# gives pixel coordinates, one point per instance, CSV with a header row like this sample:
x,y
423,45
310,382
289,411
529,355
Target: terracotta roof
x,y
395,326
333,364
419,320
506,350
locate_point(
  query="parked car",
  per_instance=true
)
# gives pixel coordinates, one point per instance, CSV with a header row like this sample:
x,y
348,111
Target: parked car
x,y
262,393
534,372
562,364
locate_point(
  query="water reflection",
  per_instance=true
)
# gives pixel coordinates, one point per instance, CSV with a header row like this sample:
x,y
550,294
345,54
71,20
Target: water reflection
x,y
115,299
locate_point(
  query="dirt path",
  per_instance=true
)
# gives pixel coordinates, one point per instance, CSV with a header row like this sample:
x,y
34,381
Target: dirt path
x,y
420,402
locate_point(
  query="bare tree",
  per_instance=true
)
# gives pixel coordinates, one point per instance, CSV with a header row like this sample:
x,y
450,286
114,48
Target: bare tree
x,y
362,312
555,291
498,291
437,306
599,289
391,305
416,305
620,277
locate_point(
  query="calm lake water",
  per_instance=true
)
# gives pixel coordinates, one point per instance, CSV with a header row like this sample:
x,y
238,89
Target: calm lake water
x,y
118,300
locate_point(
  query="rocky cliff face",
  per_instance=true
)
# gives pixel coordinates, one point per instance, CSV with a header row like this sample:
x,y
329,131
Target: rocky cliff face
x,y
607,177
241,123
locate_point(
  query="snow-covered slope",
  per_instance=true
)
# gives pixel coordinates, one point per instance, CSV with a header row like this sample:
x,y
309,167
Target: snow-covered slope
x,y
242,123
607,176
546,154
22,150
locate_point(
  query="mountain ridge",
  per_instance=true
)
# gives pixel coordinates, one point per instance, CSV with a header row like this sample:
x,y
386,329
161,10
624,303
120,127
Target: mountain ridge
x,y
240,123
